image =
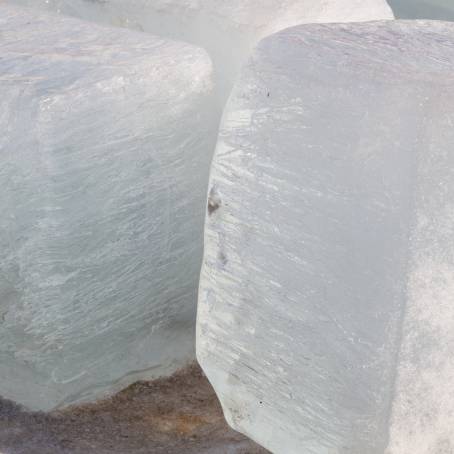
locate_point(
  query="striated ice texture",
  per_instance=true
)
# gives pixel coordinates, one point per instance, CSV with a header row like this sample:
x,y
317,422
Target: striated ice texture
x,y
325,303
423,9
225,28
106,139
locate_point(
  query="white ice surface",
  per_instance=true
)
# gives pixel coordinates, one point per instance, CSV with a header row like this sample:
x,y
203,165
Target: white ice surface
x,y
106,139
225,28
423,409
325,303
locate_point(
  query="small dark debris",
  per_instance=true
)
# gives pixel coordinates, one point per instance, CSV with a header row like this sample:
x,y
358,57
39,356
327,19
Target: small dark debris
x,y
212,206
222,258
214,202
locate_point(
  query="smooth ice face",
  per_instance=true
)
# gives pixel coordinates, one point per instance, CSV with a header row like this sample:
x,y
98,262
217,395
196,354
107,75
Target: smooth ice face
x,y
423,9
225,28
106,142
329,228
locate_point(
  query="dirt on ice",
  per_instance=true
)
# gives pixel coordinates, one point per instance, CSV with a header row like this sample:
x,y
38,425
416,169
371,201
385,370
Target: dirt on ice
x,y
176,415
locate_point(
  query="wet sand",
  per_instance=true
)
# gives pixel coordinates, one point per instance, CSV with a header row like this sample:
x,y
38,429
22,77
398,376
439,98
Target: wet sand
x,y
180,414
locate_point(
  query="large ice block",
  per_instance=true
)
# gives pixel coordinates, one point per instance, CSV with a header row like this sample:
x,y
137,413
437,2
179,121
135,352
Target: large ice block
x,y
226,28
106,139
329,227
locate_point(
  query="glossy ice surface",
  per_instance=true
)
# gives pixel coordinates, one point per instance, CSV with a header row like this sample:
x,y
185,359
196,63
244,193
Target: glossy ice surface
x,y
325,304
106,140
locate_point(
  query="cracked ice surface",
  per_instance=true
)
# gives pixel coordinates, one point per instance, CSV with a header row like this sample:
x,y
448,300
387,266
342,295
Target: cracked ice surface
x,y
107,136
225,28
325,308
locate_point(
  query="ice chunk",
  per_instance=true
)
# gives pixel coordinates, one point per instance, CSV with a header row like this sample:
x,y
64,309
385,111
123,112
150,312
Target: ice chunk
x,y
423,9
226,28
330,211
106,140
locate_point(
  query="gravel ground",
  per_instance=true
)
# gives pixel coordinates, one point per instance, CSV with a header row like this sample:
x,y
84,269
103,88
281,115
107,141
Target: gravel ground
x,y
180,414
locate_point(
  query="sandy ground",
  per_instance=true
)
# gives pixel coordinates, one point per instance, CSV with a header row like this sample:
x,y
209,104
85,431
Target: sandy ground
x,y
180,414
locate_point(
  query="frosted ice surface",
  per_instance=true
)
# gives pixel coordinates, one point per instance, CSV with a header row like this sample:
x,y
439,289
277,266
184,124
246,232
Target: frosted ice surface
x,y
226,28
105,148
328,242
423,9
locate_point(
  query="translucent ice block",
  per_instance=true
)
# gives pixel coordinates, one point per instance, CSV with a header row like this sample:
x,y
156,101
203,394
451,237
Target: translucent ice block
x,y
106,139
325,294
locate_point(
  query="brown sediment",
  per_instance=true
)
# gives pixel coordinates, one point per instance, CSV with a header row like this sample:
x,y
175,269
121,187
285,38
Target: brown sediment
x,y
179,414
